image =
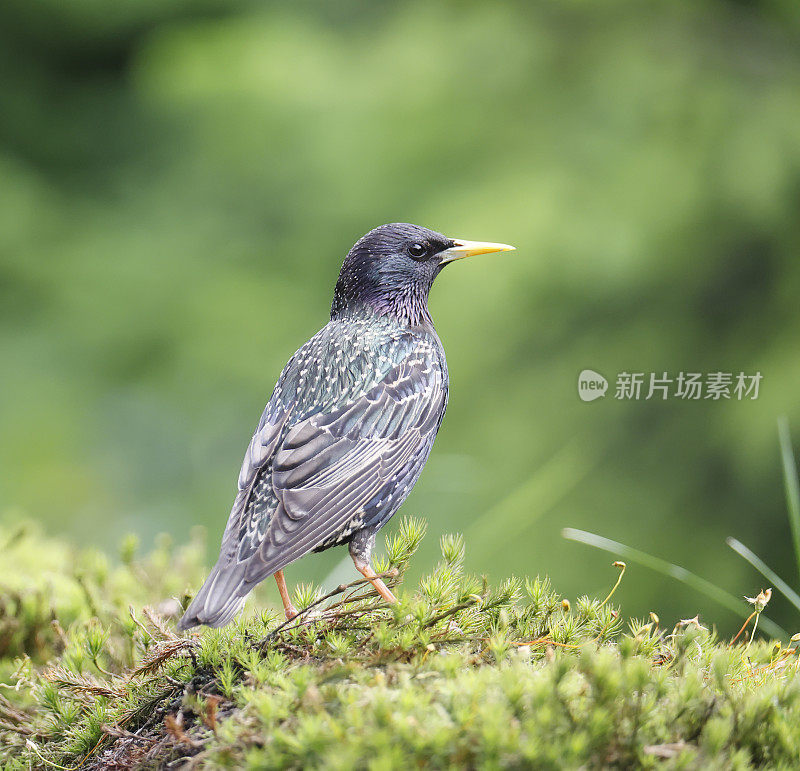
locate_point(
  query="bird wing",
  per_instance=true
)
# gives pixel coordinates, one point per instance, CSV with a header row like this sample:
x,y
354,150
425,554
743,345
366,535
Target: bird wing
x,y
319,379
246,526
334,471
340,444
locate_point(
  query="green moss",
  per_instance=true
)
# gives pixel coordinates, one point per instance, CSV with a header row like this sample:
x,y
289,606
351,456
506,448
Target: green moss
x,y
459,673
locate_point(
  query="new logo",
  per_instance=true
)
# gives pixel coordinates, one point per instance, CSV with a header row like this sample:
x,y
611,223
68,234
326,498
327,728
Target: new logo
x,y
591,385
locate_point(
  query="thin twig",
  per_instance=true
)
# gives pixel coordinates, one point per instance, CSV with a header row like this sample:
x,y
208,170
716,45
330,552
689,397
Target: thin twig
x,y
452,611
744,626
341,589
623,567
121,733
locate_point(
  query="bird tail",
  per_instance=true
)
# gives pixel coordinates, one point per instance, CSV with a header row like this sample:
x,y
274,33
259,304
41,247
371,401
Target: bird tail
x,y
220,598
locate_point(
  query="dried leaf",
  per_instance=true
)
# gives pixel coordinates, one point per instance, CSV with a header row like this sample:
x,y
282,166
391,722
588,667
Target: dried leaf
x,y
162,652
81,684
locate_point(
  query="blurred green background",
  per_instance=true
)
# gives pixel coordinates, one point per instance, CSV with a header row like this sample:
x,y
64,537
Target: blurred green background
x,y
179,183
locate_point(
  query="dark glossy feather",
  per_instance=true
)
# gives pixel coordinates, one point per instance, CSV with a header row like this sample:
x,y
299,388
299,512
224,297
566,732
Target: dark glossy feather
x,y
340,445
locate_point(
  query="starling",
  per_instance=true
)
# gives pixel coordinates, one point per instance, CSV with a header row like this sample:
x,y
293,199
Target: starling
x,y
348,427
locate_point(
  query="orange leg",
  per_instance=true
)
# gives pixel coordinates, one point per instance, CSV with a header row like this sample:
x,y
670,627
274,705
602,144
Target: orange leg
x,y
366,570
288,608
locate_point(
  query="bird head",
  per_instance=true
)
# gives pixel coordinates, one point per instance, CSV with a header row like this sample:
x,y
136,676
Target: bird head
x,y
391,269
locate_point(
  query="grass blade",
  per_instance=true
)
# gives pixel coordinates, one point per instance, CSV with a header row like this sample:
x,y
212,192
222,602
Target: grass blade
x,y
677,572
791,484
765,571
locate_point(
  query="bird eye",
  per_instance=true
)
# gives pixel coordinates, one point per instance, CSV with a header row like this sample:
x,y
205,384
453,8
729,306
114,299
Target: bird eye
x,y
417,250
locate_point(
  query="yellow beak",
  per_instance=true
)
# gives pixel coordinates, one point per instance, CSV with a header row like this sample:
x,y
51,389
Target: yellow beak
x,y
464,248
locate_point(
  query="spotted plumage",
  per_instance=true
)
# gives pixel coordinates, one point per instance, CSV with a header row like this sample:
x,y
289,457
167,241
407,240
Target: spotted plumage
x,y
349,426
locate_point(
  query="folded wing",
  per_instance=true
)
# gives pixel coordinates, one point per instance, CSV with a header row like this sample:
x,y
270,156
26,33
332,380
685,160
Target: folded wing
x,y
311,484
337,472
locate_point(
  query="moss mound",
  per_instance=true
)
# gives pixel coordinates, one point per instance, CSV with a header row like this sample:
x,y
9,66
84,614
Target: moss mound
x,y
458,674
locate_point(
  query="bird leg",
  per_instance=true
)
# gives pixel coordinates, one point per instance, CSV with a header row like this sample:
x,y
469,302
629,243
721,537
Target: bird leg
x,y
371,576
360,551
288,608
